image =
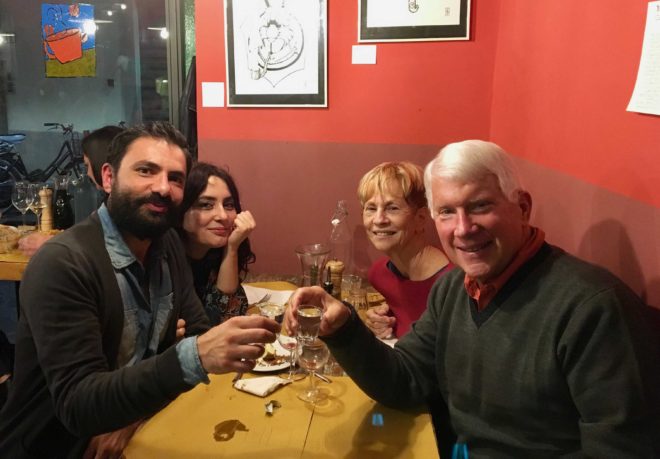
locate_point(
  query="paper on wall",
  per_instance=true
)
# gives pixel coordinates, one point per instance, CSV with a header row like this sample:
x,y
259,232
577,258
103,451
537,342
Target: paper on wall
x,y
646,95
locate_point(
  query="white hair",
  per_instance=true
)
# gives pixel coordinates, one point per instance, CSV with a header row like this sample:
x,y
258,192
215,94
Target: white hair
x,y
473,160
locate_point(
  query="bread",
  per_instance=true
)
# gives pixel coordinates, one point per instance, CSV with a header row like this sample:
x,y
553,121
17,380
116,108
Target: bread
x,y
9,237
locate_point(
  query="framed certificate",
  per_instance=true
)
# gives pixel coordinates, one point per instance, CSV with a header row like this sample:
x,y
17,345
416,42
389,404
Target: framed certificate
x,y
413,20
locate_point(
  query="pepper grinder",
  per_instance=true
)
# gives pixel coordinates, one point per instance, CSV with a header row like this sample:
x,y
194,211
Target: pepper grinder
x,y
46,197
327,284
336,268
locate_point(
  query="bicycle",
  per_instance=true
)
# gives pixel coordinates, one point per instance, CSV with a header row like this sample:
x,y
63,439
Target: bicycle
x,y
69,159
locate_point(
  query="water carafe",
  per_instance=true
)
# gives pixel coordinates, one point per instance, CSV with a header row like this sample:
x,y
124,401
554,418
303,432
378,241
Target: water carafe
x,y
312,261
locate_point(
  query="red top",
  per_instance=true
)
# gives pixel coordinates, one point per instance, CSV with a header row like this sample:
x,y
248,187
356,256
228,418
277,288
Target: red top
x,y
406,298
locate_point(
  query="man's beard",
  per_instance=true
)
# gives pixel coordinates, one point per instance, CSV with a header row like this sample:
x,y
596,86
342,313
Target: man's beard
x,y
131,217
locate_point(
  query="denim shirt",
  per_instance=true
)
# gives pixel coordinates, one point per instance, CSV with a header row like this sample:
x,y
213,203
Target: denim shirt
x,y
147,295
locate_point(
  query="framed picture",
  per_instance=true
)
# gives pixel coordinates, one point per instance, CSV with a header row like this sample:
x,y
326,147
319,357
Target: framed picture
x,y
276,53
413,20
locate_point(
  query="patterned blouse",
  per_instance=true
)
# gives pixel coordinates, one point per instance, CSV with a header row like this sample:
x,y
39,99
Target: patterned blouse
x,y
219,306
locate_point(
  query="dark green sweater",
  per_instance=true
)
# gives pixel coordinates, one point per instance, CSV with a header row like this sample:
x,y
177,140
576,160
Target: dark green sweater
x,y
66,385
560,363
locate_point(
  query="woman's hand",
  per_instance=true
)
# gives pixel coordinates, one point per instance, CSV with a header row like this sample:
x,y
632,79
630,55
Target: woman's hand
x,y
244,224
379,322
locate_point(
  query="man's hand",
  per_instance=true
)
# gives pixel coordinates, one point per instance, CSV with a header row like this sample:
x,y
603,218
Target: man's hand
x,y
335,313
111,445
180,329
244,224
381,324
32,242
235,344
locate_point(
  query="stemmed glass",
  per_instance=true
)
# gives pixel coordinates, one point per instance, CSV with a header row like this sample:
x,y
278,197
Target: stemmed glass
x,y
312,356
290,343
34,201
19,198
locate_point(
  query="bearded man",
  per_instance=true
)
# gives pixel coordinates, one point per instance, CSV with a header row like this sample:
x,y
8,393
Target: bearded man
x,y
97,349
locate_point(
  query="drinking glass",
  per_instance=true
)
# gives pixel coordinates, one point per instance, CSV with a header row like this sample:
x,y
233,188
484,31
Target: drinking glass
x,y
34,201
272,310
309,321
290,343
312,261
19,198
312,356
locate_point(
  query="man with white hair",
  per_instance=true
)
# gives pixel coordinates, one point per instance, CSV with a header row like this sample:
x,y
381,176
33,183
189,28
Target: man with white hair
x,y
535,352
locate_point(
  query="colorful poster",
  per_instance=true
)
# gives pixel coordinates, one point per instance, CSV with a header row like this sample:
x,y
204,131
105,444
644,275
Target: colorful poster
x,y
68,32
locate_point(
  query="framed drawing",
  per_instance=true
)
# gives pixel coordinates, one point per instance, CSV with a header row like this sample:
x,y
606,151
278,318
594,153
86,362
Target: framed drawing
x,y
413,20
276,53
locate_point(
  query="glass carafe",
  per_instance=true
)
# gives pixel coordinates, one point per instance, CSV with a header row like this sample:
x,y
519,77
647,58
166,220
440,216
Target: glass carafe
x,y
62,210
312,261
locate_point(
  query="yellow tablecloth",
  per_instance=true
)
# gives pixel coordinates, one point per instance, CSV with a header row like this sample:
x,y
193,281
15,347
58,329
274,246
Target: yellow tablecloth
x,y
348,425
342,427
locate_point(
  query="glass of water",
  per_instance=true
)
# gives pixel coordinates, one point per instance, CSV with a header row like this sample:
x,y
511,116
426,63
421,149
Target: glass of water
x,y
309,322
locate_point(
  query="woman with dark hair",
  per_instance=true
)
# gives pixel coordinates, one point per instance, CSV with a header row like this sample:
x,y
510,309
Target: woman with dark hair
x,y
215,234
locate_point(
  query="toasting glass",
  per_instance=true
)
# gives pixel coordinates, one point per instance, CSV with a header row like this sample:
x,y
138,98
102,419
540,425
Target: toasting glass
x,y
312,356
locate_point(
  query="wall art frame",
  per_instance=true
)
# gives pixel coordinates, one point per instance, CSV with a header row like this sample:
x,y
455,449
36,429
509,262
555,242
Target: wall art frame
x,y
276,52
413,20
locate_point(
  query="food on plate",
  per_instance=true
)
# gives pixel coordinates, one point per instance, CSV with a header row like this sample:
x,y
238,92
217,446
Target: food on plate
x,y
271,357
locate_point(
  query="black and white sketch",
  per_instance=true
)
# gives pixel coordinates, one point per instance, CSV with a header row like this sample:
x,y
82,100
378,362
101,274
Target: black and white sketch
x,y
413,20
276,52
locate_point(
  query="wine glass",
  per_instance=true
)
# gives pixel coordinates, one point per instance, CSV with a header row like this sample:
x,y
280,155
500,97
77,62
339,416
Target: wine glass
x,y
34,201
309,321
290,343
19,198
312,356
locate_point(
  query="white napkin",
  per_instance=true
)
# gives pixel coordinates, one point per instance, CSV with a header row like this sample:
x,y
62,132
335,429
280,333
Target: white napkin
x,y
260,386
254,294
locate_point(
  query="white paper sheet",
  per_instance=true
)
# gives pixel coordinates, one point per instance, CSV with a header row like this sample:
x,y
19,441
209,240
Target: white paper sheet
x,y
364,54
254,294
213,94
646,95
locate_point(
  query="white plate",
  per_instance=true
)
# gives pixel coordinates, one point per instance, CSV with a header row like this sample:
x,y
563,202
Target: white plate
x,y
264,367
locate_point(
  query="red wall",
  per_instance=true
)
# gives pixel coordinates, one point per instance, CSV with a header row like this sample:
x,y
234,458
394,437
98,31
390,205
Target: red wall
x,y
418,93
565,72
564,75
549,81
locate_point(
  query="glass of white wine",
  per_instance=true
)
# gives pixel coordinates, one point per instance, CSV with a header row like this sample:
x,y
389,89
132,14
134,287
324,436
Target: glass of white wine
x,y
312,356
34,201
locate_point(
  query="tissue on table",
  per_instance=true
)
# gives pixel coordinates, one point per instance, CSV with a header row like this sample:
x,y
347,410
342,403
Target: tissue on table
x,y
260,386
254,294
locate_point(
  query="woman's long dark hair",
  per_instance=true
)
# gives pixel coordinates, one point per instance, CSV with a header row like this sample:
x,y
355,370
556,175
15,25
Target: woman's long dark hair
x,y
196,183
